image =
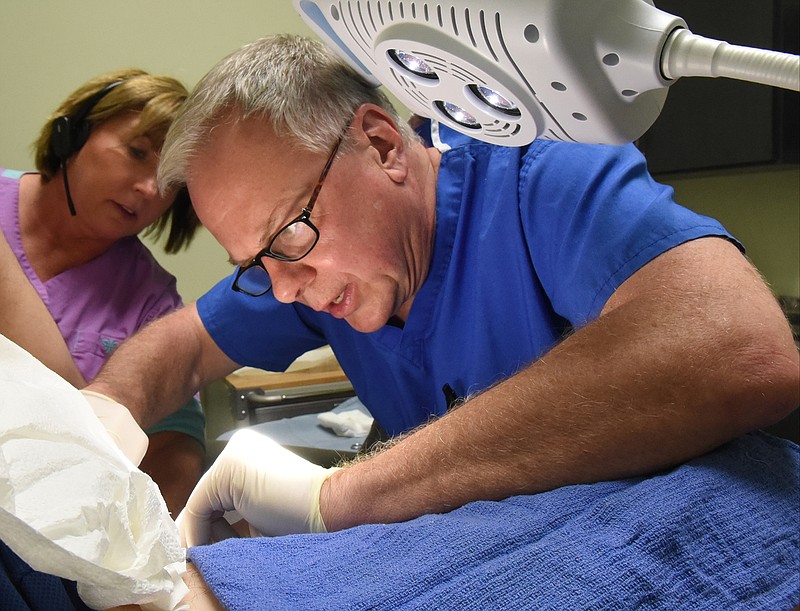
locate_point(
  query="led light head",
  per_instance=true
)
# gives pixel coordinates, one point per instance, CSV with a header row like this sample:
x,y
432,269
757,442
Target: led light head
x,y
413,64
495,100
459,115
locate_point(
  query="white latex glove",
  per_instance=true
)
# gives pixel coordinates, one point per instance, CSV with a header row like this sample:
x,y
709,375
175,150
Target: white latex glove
x,y
273,489
120,424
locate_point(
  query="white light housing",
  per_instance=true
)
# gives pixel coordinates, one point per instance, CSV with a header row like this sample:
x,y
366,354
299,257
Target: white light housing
x,y
510,71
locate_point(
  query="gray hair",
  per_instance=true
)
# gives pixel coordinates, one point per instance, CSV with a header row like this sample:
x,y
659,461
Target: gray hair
x,y
306,91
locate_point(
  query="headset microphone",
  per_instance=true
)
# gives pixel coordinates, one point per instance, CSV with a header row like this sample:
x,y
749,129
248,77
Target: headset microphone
x,y
70,133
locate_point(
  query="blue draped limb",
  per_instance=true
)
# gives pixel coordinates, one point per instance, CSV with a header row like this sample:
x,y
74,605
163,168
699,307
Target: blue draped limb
x,y
719,532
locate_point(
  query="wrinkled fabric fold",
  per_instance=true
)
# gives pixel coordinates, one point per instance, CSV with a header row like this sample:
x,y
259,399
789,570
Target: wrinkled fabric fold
x,y
719,532
71,503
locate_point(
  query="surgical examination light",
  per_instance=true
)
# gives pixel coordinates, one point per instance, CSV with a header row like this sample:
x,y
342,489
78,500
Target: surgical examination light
x,y
510,71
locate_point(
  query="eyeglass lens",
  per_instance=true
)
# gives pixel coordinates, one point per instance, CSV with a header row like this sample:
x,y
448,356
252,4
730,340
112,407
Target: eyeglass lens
x,y
253,280
294,241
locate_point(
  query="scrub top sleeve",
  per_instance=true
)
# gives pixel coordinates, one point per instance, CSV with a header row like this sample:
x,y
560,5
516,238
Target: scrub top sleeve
x,y
161,303
593,216
255,331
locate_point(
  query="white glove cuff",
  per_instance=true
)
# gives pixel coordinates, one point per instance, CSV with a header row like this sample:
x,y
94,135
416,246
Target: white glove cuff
x,y
273,489
120,424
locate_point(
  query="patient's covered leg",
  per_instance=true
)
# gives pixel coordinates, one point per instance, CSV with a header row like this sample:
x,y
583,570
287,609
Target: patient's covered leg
x,y
719,532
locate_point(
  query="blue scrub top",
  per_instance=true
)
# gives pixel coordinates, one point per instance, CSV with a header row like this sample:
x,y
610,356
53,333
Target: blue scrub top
x,y
530,243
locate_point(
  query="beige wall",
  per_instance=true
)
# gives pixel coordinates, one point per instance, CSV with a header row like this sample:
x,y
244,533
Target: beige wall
x,y
761,207
47,48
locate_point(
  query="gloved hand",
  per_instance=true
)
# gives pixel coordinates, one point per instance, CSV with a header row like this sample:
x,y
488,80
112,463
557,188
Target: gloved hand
x,y
119,423
274,490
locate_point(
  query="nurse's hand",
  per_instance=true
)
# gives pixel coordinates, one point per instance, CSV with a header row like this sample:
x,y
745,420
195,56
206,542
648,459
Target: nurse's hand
x,y
120,424
274,490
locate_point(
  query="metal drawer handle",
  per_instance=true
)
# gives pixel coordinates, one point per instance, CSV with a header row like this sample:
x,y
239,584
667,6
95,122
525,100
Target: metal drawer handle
x,y
261,397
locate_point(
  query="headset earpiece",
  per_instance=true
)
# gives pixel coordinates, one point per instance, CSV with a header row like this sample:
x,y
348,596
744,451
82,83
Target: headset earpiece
x,y
70,132
80,134
60,141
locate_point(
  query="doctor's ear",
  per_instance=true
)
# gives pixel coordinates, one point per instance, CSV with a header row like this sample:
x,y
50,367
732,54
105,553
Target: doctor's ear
x,y
373,126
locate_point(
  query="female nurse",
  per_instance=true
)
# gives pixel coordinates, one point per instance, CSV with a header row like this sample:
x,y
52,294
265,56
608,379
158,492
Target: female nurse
x,y
73,227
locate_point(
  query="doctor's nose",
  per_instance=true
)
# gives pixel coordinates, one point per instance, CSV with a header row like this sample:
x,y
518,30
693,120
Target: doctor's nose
x,y
289,279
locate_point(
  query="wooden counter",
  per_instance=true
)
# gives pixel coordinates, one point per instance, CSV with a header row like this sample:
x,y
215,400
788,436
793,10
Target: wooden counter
x,y
267,380
320,371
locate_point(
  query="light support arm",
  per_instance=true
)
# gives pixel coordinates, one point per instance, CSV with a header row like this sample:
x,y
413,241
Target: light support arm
x,y
687,54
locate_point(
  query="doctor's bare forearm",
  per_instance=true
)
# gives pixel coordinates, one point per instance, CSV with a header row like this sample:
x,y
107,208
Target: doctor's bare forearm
x,y
157,370
674,367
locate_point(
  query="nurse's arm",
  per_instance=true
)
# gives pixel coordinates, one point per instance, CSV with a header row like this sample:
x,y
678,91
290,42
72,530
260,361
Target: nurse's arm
x,y
690,352
159,368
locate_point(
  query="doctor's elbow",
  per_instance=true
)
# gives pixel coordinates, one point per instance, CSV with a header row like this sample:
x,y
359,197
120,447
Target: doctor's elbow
x,y
770,370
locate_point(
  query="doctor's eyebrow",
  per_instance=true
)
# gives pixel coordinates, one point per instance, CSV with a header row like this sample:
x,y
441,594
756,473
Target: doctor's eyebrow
x,y
266,236
269,231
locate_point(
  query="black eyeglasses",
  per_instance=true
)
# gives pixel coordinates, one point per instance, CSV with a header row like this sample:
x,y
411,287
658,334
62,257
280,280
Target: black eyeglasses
x,y
293,242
